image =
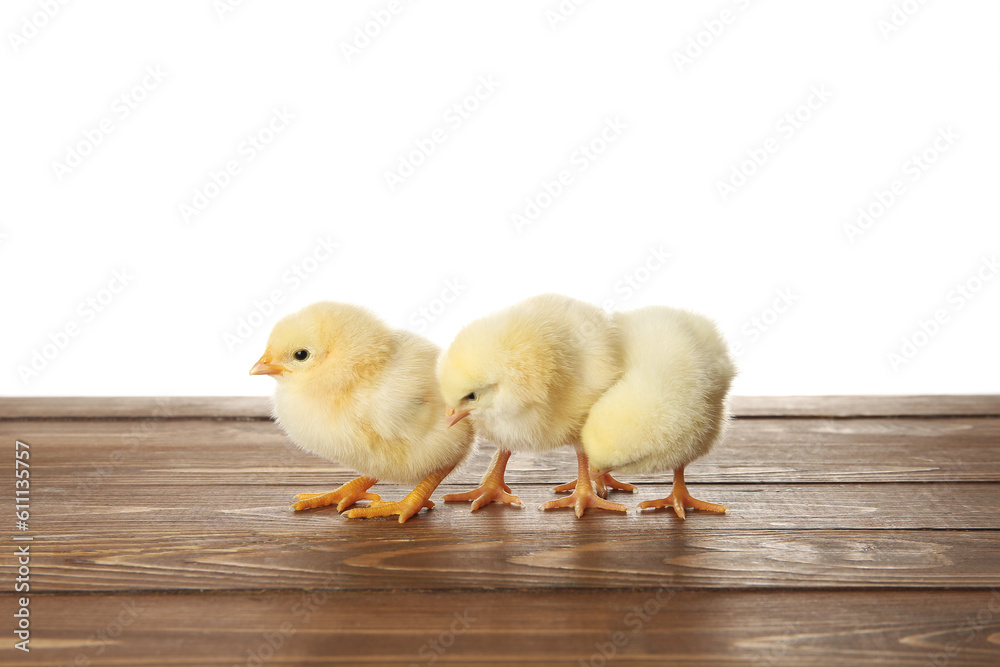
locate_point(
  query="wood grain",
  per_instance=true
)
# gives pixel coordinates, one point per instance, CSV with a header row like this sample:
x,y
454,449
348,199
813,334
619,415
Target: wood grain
x,y
433,554
655,626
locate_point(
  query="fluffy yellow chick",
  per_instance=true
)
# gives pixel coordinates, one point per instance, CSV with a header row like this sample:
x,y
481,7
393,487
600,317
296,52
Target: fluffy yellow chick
x,y
670,405
526,377
354,390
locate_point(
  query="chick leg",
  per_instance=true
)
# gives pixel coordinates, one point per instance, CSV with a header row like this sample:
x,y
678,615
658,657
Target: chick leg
x,y
492,488
345,496
679,498
583,495
603,483
414,501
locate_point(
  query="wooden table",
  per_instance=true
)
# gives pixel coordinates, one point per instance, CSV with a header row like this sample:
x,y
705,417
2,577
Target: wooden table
x,y
861,530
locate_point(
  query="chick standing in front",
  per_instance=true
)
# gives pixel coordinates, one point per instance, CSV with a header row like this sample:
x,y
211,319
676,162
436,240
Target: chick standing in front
x,y
670,405
354,390
526,377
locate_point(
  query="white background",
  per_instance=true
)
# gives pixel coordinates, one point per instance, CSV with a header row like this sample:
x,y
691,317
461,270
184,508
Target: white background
x,y
687,125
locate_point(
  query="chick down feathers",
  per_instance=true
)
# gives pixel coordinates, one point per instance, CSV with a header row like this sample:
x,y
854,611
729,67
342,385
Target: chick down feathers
x,y
670,405
529,374
366,395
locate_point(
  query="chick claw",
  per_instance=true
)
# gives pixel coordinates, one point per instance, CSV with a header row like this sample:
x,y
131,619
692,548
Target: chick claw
x,y
345,496
484,495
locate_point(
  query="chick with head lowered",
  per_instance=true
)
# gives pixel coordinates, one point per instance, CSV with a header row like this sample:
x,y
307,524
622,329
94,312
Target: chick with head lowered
x,y
526,377
354,390
670,405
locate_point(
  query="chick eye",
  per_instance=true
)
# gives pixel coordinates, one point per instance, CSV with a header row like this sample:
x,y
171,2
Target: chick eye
x,y
301,355
471,397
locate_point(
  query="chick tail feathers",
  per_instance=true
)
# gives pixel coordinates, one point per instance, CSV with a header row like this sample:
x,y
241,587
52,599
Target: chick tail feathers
x,y
644,424
621,426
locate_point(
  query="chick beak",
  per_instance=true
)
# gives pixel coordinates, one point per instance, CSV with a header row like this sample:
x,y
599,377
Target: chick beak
x,y
453,417
266,366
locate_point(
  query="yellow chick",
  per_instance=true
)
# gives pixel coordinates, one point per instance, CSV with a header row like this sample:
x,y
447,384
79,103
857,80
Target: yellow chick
x,y
353,390
670,405
526,377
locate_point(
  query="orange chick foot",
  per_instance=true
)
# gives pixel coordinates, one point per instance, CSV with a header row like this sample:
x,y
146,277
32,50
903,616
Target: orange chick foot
x,y
603,482
583,495
606,481
679,503
493,488
485,494
582,498
679,499
344,497
405,508
415,500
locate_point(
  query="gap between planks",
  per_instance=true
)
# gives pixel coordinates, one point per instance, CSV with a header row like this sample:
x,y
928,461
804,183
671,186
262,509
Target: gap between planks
x,y
258,407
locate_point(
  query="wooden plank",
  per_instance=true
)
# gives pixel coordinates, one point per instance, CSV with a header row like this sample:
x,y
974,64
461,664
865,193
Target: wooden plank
x,y
134,407
969,405
262,508
656,626
504,549
258,407
761,451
